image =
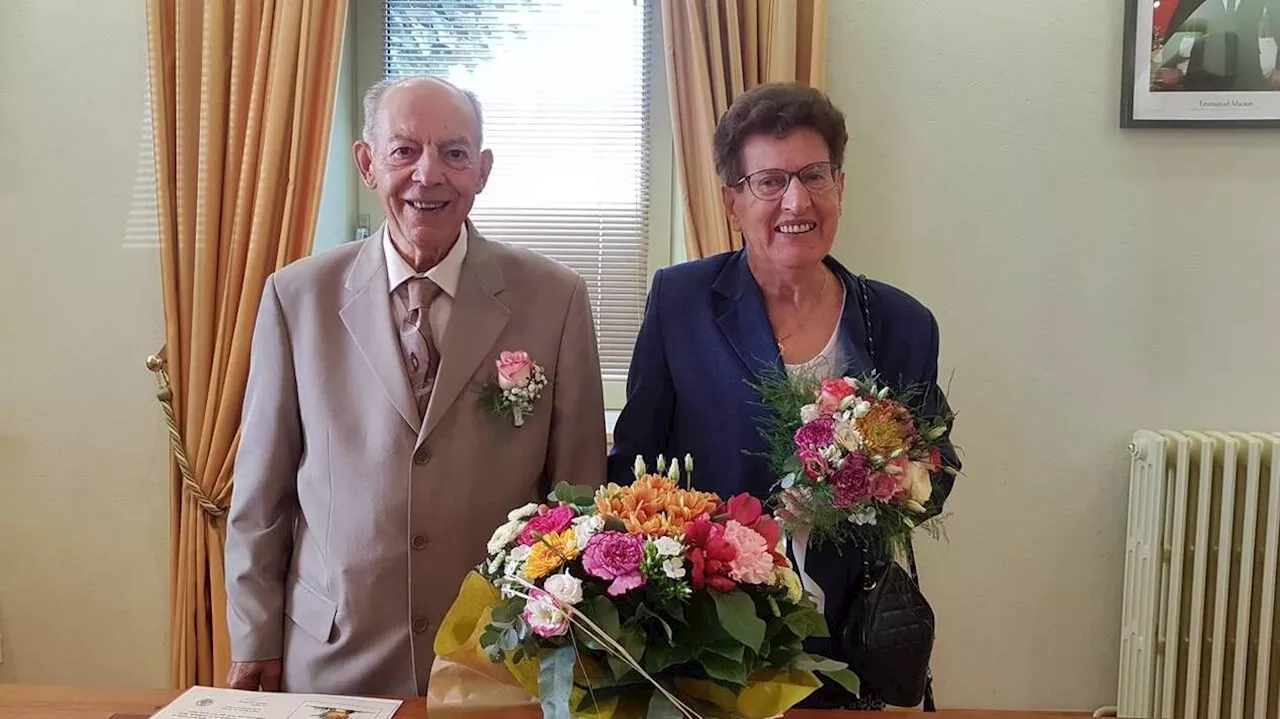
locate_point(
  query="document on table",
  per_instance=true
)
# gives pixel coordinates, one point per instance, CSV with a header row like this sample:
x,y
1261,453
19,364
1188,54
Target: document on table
x,y
209,703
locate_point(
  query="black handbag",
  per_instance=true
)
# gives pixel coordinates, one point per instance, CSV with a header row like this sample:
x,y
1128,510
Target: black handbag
x,y
888,632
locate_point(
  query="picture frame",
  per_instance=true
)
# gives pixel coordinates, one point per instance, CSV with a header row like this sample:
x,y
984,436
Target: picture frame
x,y
1189,63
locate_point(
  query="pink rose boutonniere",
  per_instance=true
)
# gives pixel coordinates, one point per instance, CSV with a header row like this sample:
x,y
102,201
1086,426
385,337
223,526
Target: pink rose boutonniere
x,y
518,384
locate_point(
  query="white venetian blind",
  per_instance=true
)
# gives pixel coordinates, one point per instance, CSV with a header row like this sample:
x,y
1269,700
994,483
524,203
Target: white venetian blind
x,y
565,88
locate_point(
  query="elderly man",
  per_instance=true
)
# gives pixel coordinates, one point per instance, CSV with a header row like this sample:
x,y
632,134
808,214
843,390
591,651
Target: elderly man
x,y
371,471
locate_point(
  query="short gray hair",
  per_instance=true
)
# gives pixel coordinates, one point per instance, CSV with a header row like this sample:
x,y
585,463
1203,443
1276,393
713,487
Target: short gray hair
x,y
373,102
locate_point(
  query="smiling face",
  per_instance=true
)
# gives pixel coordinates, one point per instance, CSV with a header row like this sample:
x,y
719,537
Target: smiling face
x,y
425,161
796,230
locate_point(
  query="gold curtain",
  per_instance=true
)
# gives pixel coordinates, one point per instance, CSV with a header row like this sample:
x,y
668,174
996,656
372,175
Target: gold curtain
x,y
242,98
715,51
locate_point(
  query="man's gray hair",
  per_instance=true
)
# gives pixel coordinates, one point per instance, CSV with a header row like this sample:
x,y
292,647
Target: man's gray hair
x,y
373,102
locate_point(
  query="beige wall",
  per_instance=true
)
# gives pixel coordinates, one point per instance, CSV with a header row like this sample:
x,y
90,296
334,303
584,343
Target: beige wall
x,y
83,491
1088,281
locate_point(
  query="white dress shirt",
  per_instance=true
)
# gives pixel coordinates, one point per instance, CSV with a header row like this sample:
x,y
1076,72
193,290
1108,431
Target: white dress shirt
x,y
445,274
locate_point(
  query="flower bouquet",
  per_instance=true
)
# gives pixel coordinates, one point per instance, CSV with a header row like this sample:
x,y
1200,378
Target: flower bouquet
x,y
854,461
648,600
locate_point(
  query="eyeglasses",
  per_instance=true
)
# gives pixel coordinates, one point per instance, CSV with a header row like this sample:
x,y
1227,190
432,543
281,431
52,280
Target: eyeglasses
x,y
771,184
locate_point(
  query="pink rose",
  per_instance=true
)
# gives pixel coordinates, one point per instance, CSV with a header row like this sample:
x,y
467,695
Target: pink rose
x,y
551,522
514,369
832,392
615,556
883,486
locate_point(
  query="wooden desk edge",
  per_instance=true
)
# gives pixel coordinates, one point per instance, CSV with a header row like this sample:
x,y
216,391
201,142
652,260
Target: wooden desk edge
x,y
87,702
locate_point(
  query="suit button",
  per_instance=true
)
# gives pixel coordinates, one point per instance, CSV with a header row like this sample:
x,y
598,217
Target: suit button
x,y
420,625
419,542
422,456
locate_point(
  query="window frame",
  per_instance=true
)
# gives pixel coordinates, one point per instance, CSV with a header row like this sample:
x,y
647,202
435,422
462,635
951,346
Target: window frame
x,y
665,222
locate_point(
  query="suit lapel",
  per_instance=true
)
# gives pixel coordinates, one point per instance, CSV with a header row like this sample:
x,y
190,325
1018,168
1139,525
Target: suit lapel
x,y
368,319
475,323
742,319
853,329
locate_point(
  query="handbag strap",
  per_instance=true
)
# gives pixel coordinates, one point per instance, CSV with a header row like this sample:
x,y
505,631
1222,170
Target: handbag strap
x,y
864,304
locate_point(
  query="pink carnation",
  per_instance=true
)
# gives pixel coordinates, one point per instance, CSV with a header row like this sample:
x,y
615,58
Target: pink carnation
x,y
551,522
883,486
753,562
615,556
852,482
817,434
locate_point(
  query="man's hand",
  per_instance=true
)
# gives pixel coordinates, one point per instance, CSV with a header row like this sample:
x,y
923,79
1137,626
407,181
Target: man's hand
x,y
252,676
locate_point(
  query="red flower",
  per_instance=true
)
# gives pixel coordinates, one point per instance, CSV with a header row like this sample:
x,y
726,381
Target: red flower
x,y
935,458
748,511
709,554
832,392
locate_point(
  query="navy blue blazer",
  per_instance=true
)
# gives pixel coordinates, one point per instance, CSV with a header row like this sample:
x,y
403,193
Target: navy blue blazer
x,y
706,337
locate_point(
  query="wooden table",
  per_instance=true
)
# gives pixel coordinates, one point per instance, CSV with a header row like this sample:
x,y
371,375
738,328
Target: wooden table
x,y
38,702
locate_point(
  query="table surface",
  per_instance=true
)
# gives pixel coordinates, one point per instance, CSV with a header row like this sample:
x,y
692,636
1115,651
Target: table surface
x,y
52,702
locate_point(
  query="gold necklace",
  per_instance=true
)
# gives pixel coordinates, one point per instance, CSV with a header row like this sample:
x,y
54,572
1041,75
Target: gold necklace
x,y
782,350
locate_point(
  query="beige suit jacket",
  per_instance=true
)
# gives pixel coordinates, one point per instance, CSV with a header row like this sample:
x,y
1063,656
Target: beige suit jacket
x,y
352,521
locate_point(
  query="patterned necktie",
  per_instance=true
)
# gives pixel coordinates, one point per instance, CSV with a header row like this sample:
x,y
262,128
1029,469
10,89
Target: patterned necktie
x,y
421,358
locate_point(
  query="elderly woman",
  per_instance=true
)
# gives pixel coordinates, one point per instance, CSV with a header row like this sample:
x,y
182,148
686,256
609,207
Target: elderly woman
x,y
714,326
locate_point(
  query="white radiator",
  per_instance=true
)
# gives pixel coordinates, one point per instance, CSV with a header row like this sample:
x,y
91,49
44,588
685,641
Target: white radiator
x,y
1199,636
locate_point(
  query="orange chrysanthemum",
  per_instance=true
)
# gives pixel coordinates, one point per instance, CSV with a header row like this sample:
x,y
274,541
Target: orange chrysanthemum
x,y
654,505
885,429
550,552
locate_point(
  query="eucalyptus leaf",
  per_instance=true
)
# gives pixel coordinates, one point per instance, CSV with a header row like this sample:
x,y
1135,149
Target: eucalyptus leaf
x,y
510,640
555,683
737,614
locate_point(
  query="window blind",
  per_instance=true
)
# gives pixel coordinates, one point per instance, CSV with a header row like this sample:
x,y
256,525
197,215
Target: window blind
x,y
565,90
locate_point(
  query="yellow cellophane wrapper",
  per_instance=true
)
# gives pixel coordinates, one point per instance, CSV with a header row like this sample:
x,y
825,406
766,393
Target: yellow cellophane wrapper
x,y
464,683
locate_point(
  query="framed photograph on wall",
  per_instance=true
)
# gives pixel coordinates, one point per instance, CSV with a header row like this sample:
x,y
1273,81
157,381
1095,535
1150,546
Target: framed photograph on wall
x,y
1192,63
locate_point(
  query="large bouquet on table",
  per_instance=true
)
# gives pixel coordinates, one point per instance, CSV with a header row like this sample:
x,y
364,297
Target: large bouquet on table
x,y
854,461
648,600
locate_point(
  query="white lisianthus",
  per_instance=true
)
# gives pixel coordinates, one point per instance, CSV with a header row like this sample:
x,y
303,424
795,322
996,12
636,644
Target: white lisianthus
x,y
668,547
585,527
673,567
524,512
809,412
545,617
505,535
564,587
860,409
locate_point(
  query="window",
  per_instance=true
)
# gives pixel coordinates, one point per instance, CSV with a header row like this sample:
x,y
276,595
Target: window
x,y
566,88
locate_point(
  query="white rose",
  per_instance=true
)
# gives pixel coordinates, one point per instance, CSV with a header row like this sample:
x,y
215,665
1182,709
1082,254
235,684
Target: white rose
x,y
673,568
809,412
545,618
564,587
505,535
524,512
668,547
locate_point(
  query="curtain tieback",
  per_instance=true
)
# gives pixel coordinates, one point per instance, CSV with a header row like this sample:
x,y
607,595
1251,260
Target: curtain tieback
x,y
164,393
